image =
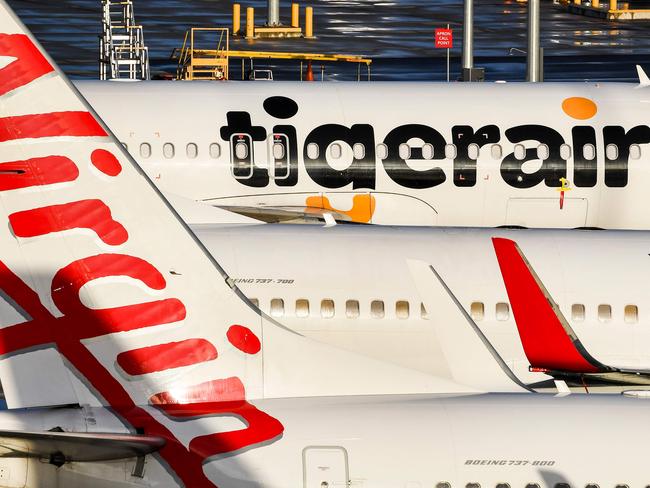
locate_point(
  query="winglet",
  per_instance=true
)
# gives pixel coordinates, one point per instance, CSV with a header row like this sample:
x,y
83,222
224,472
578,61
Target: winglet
x,y
549,341
644,81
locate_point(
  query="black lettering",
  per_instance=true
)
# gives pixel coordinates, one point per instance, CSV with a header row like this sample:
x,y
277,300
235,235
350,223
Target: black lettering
x,y
397,168
550,170
463,136
616,169
244,169
585,172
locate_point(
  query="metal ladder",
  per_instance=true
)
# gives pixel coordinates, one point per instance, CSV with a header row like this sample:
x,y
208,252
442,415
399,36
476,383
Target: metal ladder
x,y
122,53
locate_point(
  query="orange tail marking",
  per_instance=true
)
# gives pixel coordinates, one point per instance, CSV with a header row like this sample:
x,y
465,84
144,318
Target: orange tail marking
x,y
363,207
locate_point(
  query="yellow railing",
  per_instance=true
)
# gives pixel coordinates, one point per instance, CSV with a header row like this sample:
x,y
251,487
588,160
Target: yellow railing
x,y
197,63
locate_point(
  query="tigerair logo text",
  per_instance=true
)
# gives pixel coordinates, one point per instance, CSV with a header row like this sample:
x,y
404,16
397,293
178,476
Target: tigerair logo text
x,y
78,322
397,152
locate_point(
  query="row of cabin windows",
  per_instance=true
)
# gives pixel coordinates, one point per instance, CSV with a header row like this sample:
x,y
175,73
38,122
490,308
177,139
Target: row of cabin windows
x,y
502,312
327,309
450,151
359,151
445,484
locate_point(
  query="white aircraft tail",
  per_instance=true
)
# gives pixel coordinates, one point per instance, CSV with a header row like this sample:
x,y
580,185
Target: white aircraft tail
x,y
110,300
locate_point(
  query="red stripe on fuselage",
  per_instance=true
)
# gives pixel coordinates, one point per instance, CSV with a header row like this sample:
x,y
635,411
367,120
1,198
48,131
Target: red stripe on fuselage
x,y
29,65
55,124
160,357
545,341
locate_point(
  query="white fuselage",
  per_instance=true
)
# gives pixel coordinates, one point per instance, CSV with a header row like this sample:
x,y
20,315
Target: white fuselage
x,y
313,278
412,154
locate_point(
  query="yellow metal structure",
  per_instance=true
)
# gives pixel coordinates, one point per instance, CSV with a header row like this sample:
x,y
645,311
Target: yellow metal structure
x,y
295,15
250,22
309,22
236,18
195,62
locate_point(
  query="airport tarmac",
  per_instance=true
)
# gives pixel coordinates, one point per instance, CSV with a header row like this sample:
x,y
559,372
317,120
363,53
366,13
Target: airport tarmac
x,y
397,35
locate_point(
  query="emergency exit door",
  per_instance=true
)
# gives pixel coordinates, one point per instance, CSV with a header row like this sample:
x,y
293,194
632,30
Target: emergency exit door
x,y
325,467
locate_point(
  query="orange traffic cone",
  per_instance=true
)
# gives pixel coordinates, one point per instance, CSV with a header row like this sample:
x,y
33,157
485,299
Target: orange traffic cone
x,y
310,72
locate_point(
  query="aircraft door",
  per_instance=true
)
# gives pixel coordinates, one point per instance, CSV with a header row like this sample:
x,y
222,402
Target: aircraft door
x,y
325,467
242,157
280,154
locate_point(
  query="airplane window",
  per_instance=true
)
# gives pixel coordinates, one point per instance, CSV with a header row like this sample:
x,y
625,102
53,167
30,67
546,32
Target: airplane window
x,y
404,151
336,151
352,309
278,151
377,309
622,486
496,151
562,485
604,313
565,152
473,151
382,151
241,150
631,314
502,311
542,152
126,146
532,485
215,150
443,484
145,150
503,485
477,310
578,312
423,312
359,151
192,150
255,302
168,150
520,151
327,308
312,150
611,151
402,309
302,308
427,151
589,152
591,485
450,151
277,307
473,485
635,151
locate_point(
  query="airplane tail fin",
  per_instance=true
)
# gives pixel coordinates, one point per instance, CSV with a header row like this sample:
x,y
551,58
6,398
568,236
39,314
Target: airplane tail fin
x,y
548,340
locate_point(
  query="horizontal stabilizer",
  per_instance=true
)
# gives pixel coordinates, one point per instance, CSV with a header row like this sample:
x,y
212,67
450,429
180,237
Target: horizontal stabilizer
x,y
643,77
548,340
76,447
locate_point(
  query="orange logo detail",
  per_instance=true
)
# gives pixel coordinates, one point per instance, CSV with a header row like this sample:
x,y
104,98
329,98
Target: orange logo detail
x,y
363,207
579,108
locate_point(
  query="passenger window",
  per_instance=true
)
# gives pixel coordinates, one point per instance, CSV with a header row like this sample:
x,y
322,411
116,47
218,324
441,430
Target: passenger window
x,y
427,151
352,309
402,309
520,152
359,151
277,307
327,308
589,152
255,302
377,309
502,485
473,151
215,150
502,311
562,485
623,486
336,151
450,151
592,485
241,150
125,145
312,150
168,150
192,150
404,151
477,310
382,151
631,314
496,151
635,151
278,151
473,485
578,312
565,152
145,150
423,312
532,485
443,484
604,313
302,308
611,151
542,152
